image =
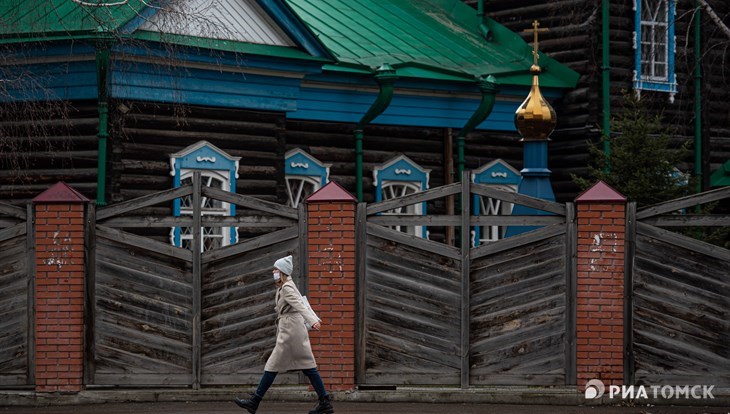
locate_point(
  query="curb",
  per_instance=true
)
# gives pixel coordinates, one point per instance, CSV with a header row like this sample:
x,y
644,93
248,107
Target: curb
x,y
565,396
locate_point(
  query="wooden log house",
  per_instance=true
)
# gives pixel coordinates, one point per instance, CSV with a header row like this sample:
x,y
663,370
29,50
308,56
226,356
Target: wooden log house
x,y
271,77
688,85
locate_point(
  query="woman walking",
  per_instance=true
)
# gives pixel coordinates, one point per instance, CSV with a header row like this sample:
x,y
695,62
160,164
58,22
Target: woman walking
x,y
293,350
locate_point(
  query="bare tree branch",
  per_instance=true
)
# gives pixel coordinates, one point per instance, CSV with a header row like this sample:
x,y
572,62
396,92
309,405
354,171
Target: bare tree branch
x,y
714,17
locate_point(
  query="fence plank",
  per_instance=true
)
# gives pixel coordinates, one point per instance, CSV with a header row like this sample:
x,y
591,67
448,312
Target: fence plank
x,y
521,239
255,243
17,230
13,211
684,202
420,197
30,250
361,284
197,248
144,201
686,220
413,241
251,202
415,220
465,243
515,198
504,220
206,221
683,241
571,288
143,243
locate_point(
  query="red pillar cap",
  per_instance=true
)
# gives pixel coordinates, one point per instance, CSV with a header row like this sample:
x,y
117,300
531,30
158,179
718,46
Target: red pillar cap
x,y
330,192
600,191
60,193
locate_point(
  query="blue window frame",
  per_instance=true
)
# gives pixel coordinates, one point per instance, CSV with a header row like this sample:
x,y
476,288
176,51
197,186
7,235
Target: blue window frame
x,y
397,178
218,170
654,46
501,176
304,175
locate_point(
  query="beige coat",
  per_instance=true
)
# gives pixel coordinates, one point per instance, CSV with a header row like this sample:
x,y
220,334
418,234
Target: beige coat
x,y
293,350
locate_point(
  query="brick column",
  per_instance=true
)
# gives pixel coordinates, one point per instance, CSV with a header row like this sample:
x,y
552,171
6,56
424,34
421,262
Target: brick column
x,y
601,213
59,289
331,262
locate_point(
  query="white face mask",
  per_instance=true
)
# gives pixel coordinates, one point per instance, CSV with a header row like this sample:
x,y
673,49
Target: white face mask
x,y
277,275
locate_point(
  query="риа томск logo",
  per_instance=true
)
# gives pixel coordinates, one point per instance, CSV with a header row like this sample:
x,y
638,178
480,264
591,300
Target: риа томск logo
x,y
595,388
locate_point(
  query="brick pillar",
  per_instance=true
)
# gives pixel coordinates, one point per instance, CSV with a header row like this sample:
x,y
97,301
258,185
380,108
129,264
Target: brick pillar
x,y
331,262
59,289
601,213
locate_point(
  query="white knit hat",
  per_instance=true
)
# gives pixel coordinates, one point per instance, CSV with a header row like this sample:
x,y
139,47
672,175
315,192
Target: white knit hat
x,y
285,265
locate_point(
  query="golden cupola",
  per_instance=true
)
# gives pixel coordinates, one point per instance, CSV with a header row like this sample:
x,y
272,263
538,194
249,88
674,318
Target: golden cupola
x,y
535,119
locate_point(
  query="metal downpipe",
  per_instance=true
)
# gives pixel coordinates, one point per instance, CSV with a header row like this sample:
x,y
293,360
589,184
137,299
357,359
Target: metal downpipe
x,y
606,79
488,87
103,52
698,98
386,77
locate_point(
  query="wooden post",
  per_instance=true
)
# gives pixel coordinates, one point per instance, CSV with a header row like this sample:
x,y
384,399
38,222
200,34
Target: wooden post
x,y
59,289
331,262
601,215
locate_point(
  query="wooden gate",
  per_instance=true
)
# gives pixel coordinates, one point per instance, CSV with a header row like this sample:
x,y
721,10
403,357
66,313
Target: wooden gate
x,y
681,296
435,314
16,293
164,315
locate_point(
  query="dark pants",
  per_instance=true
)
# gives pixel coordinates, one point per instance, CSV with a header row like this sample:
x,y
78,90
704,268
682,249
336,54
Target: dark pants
x,y
268,378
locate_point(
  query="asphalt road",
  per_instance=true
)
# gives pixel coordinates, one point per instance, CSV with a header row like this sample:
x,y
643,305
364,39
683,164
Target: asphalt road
x,y
270,407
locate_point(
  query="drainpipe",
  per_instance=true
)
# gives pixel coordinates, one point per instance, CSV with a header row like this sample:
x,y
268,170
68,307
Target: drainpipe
x,y
488,87
606,79
103,46
698,100
386,77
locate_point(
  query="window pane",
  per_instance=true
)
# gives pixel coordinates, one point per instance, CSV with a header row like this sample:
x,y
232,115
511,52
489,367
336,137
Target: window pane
x,y
395,190
298,188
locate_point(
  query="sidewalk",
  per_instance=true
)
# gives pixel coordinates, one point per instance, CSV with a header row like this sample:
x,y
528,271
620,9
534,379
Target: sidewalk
x,y
277,407
403,400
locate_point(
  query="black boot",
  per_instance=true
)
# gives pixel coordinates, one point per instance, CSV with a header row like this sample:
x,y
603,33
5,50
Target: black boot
x,y
324,406
252,404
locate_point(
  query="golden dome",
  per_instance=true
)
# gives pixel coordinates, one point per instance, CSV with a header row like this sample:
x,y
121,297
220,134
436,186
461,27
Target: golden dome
x,y
535,119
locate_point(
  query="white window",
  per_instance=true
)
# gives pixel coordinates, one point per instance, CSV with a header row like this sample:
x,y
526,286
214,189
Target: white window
x,y
212,237
401,177
501,176
654,45
304,175
217,170
494,207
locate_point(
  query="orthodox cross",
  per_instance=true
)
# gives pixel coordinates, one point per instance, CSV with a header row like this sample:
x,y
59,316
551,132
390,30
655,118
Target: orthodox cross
x,y
535,30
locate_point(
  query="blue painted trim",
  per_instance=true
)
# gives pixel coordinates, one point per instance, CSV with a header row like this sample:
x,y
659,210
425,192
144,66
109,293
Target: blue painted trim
x,y
294,27
204,87
402,170
55,81
669,86
204,158
220,59
142,16
348,106
302,164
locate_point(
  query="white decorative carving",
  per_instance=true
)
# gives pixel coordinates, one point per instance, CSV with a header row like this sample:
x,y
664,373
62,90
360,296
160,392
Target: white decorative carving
x,y
499,174
300,165
208,159
402,171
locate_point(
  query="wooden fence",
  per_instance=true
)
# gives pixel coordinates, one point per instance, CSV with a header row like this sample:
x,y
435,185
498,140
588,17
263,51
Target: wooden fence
x,y
503,313
16,296
680,296
164,315
437,314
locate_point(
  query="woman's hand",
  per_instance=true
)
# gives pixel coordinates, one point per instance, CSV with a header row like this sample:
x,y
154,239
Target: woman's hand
x,y
316,326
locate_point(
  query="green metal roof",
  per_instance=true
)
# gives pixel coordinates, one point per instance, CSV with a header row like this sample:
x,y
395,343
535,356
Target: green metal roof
x,y
721,176
54,18
438,39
